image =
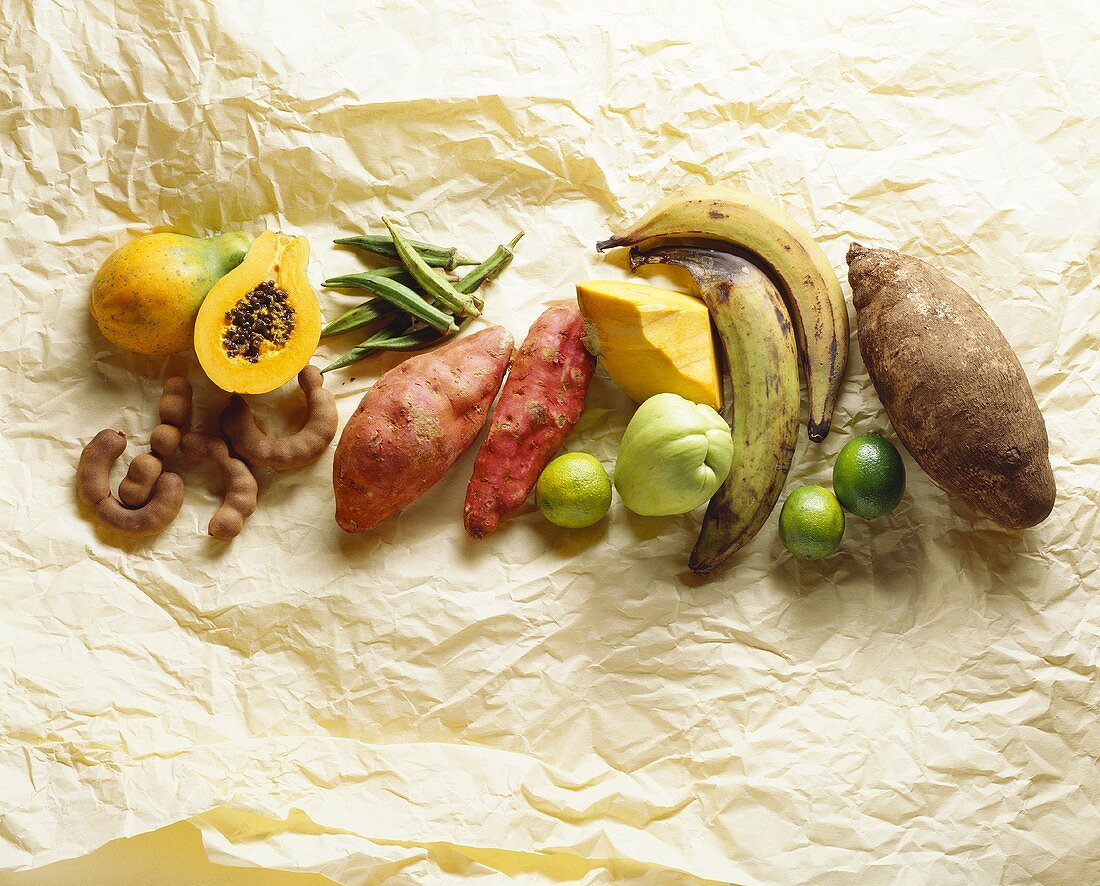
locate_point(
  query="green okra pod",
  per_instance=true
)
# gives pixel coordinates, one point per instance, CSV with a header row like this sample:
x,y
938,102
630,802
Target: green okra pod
x,y
471,281
394,272
391,272
370,311
398,295
409,340
443,291
447,257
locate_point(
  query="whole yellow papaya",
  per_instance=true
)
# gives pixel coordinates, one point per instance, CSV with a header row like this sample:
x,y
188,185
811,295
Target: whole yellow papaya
x,y
147,295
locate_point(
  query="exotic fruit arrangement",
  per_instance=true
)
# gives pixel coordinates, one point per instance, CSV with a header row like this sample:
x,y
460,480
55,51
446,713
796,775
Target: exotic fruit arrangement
x,y
778,307
794,263
715,373
254,321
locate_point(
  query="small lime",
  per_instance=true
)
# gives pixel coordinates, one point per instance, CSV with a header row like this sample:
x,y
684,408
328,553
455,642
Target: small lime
x,y
811,523
573,491
869,476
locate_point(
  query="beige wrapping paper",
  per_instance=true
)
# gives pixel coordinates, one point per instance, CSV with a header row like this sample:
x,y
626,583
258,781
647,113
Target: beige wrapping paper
x,y
413,707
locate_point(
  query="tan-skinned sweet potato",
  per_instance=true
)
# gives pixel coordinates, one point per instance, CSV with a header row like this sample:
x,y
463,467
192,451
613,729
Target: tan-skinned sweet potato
x,y
413,425
541,401
953,387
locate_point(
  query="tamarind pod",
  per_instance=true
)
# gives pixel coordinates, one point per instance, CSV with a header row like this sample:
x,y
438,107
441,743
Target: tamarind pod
x,y
165,440
137,486
398,295
175,403
241,489
438,287
94,489
447,257
93,482
150,519
284,453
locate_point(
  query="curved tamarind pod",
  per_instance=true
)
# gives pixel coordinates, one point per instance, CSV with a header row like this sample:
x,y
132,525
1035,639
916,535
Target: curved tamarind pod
x,y
175,415
284,453
93,481
93,488
151,518
240,486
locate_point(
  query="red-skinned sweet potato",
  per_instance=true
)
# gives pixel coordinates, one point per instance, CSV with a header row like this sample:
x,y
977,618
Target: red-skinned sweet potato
x,y
413,425
541,401
952,386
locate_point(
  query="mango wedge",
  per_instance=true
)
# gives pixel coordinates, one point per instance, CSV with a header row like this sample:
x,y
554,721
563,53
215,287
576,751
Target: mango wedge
x,y
651,340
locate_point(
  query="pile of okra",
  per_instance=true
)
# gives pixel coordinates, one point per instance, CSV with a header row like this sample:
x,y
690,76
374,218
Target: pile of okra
x,y
416,303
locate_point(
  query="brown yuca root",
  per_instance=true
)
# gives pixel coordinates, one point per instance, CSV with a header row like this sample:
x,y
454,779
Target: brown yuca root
x,y
94,489
284,453
175,416
240,486
954,389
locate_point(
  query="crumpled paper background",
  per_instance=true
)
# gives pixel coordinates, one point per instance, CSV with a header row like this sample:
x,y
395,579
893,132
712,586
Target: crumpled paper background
x,y
555,707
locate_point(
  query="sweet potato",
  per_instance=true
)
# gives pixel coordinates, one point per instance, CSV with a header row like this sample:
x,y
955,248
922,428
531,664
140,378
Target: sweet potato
x,y
413,425
952,386
541,401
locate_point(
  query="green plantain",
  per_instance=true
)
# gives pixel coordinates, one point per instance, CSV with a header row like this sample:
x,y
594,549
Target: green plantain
x,y
762,362
764,233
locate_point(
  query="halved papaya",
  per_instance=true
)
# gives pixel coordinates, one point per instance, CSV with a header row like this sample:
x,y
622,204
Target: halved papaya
x,y
260,323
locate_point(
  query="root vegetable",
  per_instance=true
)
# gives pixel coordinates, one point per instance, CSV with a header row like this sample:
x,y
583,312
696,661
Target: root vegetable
x,y
413,425
284,453
240,486
952,385
93,488
541,401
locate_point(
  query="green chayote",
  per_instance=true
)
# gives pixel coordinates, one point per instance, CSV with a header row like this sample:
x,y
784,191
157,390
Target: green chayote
x,y
673,457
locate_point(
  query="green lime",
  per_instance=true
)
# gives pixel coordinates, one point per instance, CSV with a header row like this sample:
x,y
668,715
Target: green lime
x,y
573,491
811,523
869,476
